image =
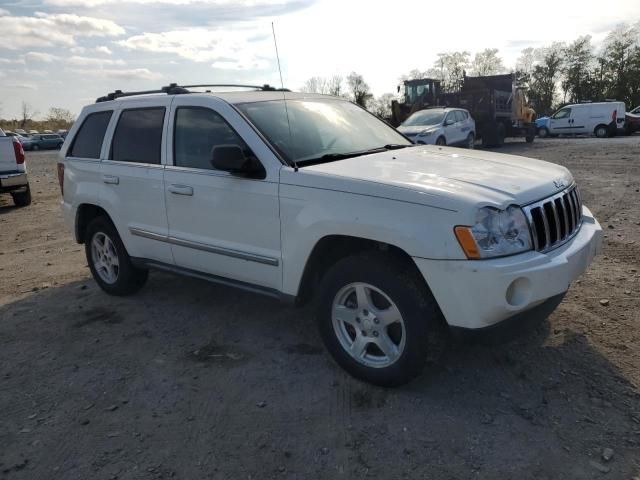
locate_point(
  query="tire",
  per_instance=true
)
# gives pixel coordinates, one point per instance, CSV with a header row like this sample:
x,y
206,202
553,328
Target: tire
x,y
384,282
500,135
22,199
530,138
441,141
601,131
114,272
543,132
35,148
471,141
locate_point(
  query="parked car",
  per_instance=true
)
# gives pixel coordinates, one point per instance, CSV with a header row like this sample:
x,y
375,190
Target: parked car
x,y
632,121
63,133
542,126
13,170
322,201
44,142
603,119
19,137
440,126
21,132
33,132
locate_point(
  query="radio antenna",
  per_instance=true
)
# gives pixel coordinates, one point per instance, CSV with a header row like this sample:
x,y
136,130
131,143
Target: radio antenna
x,y
284,97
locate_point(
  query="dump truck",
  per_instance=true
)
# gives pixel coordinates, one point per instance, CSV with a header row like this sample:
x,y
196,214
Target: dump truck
x,y
497,103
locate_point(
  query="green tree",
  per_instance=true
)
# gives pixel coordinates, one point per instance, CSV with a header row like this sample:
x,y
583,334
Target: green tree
x,y
578,67
544,78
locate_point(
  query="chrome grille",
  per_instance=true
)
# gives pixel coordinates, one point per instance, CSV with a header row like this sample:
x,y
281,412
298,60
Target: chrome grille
x,y
554,220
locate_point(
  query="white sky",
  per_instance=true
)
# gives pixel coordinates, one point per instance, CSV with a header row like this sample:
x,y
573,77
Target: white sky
x,y
65,53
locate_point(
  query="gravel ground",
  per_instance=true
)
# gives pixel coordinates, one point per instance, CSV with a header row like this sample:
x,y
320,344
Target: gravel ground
x,y
190,380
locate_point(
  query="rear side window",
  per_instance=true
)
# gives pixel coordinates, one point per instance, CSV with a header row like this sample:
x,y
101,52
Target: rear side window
x,y
197,132
88,141
138,136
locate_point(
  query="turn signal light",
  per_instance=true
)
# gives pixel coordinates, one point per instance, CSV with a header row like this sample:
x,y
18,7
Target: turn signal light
x,y
467,242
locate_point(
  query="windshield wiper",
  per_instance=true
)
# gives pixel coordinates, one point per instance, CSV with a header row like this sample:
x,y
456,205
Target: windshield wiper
x,y
329,157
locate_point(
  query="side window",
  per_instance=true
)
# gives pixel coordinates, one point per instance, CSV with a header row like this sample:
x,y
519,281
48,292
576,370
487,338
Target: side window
x,y
459,116
197,131
88,141
564,113
138,136
451,118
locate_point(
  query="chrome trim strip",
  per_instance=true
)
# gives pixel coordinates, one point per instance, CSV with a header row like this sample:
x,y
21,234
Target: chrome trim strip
x,y
532,228
556,219
251,257
569,197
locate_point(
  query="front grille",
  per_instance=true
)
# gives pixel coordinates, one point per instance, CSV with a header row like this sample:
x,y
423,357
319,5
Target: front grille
x,y
554,220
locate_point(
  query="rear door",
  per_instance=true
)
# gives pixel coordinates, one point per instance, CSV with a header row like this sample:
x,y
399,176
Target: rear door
x,y
579,121
132,177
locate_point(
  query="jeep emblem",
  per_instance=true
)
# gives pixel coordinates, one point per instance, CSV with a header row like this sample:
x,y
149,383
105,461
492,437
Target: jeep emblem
x,y
559,183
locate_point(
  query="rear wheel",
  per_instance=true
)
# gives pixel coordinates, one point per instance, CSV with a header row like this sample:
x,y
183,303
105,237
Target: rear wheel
x,y
471,141
441,141
22,199
109,261
602,131
500,135
378,319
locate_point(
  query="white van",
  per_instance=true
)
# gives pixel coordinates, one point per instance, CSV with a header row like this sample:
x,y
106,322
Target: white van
x,y
602,119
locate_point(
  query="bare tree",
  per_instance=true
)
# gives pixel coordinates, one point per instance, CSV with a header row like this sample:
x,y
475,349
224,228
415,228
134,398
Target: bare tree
x,y
27,113
59,117
450,68
335,86
315,85
528,58
487,62
381,106
359,89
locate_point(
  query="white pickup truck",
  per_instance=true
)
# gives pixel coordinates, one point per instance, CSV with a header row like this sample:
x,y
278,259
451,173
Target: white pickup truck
x,y
318,199
13,170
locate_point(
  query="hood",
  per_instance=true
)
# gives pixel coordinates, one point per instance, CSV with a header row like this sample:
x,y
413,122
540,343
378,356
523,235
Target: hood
x,y
415,129
445,177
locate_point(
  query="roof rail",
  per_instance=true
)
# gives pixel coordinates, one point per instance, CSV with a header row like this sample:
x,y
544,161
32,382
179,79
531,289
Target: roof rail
x,y
175,89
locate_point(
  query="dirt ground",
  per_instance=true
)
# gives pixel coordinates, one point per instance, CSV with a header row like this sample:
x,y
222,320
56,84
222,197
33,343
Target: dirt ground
x,y
190,380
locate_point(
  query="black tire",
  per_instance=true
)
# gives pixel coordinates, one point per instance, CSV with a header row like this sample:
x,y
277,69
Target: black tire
x,y
424,331
35,148
22,199
471,141
601,131
441,141
530,138
543,132
129,278
500,135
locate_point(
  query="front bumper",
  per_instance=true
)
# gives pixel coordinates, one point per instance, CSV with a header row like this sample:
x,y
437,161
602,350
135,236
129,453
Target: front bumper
x,y
476,294
13,181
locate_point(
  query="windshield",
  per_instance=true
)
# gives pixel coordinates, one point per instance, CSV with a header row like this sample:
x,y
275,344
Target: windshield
x,y
424,117
323,127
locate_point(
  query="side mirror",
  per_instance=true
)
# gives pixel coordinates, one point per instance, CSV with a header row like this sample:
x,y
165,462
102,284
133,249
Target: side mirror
x,y
448,122
231,158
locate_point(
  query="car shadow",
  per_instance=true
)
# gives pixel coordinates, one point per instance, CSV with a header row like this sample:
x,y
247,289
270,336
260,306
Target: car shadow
x,y
187,375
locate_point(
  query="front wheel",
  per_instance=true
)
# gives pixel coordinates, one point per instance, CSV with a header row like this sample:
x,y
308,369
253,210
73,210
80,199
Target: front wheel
x,y
378,319
602,131
543,132
35,148
471,141
109,261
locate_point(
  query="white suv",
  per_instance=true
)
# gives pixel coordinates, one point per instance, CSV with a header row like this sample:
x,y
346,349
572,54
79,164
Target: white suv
x,y
440,126
313,197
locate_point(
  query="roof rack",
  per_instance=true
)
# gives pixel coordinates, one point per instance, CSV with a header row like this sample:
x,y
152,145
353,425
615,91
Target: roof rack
x,y
175,89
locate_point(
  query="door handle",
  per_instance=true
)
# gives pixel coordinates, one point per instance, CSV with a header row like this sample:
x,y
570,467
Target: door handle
x,y
110,179
181,190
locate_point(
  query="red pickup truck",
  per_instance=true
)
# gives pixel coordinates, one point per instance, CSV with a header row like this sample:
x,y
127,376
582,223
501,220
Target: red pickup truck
x,y
13,170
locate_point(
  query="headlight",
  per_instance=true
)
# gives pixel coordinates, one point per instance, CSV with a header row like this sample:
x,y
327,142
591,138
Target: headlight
x,y
496,233
425,133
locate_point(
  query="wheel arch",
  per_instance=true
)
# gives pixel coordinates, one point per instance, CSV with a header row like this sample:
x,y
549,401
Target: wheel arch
x,y
84,214
331,248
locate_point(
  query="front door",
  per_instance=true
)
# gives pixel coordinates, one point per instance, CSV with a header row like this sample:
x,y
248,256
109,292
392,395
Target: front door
x,y
561,122
219,223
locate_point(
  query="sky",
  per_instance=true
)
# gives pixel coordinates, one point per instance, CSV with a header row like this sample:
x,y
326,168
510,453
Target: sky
x,y
65,53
